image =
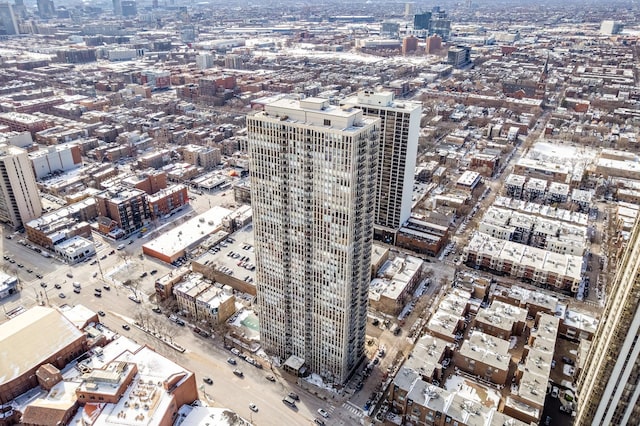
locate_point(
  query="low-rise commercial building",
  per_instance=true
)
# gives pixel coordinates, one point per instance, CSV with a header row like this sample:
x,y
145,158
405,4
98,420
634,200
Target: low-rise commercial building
x,y
75,249
36,337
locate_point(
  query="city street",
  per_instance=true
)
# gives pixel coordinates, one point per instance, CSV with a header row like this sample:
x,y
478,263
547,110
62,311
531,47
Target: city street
x,y
204,356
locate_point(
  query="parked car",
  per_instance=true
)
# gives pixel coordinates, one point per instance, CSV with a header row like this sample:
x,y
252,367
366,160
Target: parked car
x,y
231,361
555,392
567,360
293,396
157,310
253,407
271,378
58,286
289,401
134,299
238,373
61,296
126,327
207,380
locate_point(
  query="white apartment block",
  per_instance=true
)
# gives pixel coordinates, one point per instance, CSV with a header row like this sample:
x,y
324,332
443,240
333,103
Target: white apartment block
x,y
313,178
19,198
399,129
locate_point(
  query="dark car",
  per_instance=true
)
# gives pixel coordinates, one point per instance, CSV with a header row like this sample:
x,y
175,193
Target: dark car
x,y
157,310
153,271
567,360
39,276
43,285
58,286
101,313
271,378
126,327
207,380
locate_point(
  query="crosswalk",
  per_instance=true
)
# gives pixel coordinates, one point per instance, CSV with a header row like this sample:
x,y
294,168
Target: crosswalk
x,y
353,409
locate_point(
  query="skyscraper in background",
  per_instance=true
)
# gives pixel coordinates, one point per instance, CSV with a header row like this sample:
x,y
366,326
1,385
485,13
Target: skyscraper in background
x,y
398,145
608,386
8,23
19,197
422,21
313,178
129,7
46,9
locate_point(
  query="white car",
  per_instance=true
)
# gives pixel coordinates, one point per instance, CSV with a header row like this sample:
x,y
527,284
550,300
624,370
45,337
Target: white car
x,y
323,413
253,407
555,392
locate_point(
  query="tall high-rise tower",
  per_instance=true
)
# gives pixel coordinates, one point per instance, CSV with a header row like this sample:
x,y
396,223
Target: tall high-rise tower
x,y
313,174
19,198
8,22
46,9
608,387
399,128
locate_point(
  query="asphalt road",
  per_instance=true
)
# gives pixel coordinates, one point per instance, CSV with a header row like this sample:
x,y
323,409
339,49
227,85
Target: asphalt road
x,y
204,356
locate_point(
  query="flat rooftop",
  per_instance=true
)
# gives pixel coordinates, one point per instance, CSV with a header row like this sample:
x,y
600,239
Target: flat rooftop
x,y
32,337
189,233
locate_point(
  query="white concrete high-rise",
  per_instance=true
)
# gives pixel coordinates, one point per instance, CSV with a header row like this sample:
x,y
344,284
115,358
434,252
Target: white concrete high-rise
x,y
313,174
399,129
19,198
608,385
